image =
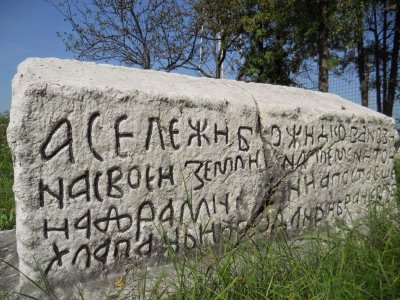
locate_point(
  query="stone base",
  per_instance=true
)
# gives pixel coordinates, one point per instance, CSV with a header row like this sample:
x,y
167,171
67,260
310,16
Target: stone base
x,y
8,253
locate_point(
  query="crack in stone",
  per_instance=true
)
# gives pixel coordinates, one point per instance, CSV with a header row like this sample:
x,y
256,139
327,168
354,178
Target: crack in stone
x,y
266,198
266,201
271,190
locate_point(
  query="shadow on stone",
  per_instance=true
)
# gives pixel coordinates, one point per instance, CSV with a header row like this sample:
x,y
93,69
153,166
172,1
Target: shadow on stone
x,y
8,252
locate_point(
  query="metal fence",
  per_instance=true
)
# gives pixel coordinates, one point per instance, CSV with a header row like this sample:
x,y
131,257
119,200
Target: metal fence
x,y
348,87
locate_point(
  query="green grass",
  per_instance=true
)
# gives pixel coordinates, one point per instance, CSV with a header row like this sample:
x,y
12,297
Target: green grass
x,y
7,219
362,262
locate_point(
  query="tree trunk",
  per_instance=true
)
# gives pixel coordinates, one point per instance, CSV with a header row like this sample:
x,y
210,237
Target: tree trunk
x,y
363,72
323,50
377,62
388,108
218,70
220,63
384,55
146,63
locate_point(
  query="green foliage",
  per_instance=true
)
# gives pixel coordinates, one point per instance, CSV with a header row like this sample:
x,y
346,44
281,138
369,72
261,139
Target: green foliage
x,y
358,263
7,204
269,58
219,35
361,262
218,17
284,35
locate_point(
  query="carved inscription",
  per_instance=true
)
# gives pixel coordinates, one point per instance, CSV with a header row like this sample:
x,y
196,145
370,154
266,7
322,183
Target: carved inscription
x,y
329,170
132,207
118,222
313,162
116,169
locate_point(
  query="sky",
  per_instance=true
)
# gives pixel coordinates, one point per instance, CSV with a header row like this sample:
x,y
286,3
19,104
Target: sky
x,y
27,29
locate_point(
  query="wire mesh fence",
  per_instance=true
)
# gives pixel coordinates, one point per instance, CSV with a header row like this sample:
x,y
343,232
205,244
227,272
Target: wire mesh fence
x,y
347,86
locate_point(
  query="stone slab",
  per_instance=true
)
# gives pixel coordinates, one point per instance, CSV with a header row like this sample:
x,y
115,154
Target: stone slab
x,y
9,276
117,166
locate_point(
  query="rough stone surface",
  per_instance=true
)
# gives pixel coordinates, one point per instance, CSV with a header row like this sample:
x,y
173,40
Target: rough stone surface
x,y
116,166
8,256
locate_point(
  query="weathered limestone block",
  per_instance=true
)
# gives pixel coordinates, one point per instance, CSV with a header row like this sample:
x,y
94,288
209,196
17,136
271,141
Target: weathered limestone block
x,y
8,252
115,166
327,159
